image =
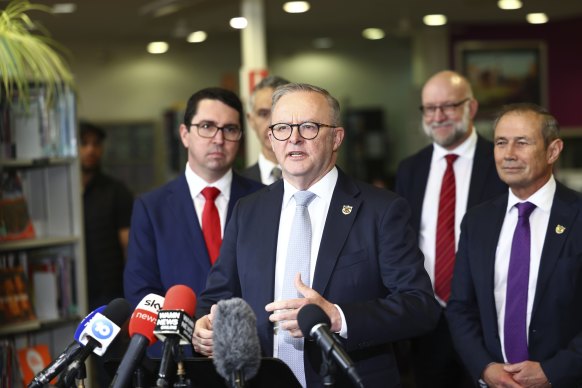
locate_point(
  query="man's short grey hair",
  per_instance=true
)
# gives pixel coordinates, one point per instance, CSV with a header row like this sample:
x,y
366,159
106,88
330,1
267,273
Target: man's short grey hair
x,y
550,128
272,81
298,87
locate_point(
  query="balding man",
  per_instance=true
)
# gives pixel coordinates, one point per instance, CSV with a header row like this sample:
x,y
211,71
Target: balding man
x,y
441,181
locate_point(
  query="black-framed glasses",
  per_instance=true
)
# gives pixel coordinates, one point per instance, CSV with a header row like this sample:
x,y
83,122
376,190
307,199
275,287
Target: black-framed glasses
x,y
208,129
307,130
447,109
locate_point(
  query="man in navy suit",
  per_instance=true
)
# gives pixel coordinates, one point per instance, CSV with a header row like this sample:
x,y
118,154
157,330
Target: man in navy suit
x,y
266,169
448,109
166,244
366,269
528,335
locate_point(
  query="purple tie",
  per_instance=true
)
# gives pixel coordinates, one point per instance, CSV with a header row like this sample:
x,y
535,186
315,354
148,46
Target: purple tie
x,y
515,329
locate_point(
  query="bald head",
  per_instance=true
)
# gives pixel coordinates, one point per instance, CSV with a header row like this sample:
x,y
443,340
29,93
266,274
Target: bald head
x,y
448,108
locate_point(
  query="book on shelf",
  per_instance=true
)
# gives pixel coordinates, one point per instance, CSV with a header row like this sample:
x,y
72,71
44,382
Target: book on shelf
x,y
9,370
15,221
32,360
15,303
40,128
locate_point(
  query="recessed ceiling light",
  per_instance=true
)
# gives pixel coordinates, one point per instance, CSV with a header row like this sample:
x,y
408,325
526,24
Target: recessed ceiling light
x,y
158,47
435,20
323,43
296,6
197,37
64,8
537,18
239,23
373,33
509,4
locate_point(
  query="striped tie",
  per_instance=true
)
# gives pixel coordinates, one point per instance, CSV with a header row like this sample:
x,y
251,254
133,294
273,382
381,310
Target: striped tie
x,y
445,234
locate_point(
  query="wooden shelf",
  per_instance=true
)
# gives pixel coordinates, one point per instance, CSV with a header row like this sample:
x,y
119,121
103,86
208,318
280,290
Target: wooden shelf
x,y
34,325
35,163
40,242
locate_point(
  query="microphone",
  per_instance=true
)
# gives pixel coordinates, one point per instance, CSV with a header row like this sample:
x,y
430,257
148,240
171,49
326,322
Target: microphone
x,y
141,331
237,353
314,324
97,335
174,325
67,356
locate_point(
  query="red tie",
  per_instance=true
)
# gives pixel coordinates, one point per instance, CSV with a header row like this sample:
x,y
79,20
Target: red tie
x,y
211,223
445,235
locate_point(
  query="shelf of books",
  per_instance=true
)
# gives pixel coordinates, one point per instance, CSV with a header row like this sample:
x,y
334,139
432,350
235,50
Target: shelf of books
x,y
42,260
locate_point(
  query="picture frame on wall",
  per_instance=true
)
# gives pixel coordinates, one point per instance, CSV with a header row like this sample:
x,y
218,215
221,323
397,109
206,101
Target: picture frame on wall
x,y
502,73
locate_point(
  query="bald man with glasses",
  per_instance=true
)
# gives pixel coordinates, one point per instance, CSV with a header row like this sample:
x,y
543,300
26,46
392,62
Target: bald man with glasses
x,y
441,181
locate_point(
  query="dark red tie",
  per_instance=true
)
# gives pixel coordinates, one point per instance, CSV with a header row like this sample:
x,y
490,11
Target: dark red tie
x,y
445,234
211,223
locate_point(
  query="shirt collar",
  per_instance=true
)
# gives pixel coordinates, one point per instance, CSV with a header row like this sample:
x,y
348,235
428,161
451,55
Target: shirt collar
x,y
265,167
465,150
323,188
542,198
197,184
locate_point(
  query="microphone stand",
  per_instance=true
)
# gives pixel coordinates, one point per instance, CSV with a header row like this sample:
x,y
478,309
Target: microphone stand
x,y
327,370
167,355
138,378
81,375
183,380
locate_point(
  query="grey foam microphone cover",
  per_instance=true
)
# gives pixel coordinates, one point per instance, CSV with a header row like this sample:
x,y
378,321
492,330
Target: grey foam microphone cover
x,y
236,342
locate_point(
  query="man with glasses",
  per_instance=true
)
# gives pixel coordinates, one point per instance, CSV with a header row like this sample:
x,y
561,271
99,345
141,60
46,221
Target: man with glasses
x,y
267,169
318,236
441,181
177,229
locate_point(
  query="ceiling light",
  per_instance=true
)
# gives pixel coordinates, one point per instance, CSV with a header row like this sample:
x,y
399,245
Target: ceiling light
x,y
239,23
537,18
373,33
197,37
323,43
296,6
158,47
64,8
435,20
509,4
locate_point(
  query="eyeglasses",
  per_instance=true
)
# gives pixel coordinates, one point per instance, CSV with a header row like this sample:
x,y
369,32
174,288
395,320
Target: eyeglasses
x,y
208,129
446,109
307,130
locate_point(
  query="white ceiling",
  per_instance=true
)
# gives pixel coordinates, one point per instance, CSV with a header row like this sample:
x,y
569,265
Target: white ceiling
x,y
135,20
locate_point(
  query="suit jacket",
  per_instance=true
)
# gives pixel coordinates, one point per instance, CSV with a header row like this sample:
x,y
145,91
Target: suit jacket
x,y
252,172
555,330
412,177
166,245
368,263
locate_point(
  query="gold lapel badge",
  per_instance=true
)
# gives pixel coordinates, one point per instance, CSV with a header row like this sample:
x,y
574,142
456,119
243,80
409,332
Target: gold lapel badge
x,y
560,229
347,209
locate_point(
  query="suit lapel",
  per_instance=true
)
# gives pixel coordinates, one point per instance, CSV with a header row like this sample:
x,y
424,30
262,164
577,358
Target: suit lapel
x,y
341,215
562,217
481,164
419,182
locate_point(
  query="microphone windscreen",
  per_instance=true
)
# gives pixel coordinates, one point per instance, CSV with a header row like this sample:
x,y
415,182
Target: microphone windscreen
x,y
180,297
117,311
309,316
143,320
236,342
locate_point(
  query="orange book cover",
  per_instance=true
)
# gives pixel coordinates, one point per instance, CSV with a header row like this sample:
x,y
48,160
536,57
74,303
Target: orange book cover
x,y
33,360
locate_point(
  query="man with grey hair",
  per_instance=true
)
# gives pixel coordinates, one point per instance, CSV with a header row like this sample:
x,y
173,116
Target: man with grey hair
x,y
320,237
514,312
266,169
441,182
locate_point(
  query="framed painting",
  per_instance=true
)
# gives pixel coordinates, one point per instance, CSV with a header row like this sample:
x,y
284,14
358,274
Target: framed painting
x,y
503,72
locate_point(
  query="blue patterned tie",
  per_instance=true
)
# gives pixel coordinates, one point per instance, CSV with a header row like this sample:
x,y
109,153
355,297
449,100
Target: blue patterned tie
x,y
515,327
298,260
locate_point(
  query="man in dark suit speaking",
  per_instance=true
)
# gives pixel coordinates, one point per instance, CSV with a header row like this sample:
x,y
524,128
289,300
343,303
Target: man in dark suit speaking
x,y
515,313
359,261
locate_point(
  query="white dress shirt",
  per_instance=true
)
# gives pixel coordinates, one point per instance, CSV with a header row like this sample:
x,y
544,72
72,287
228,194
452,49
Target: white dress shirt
x,y
196,184
265,167
538,221
463,167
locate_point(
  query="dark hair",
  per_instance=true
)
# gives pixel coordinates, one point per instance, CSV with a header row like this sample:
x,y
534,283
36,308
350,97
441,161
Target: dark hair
x,y
86,128
549,126
272,81
223,95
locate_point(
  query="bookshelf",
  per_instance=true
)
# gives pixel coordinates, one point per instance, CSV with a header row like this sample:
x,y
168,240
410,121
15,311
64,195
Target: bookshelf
x,y
38,150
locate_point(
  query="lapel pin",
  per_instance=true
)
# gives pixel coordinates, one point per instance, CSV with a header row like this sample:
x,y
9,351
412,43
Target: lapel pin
x,y
560,229
347,209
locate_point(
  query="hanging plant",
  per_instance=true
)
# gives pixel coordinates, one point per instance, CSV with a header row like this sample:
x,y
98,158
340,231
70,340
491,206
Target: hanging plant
x,y
29,58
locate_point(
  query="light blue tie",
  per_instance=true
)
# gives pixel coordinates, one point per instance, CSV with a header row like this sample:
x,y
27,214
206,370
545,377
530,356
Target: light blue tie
x,y
298,260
